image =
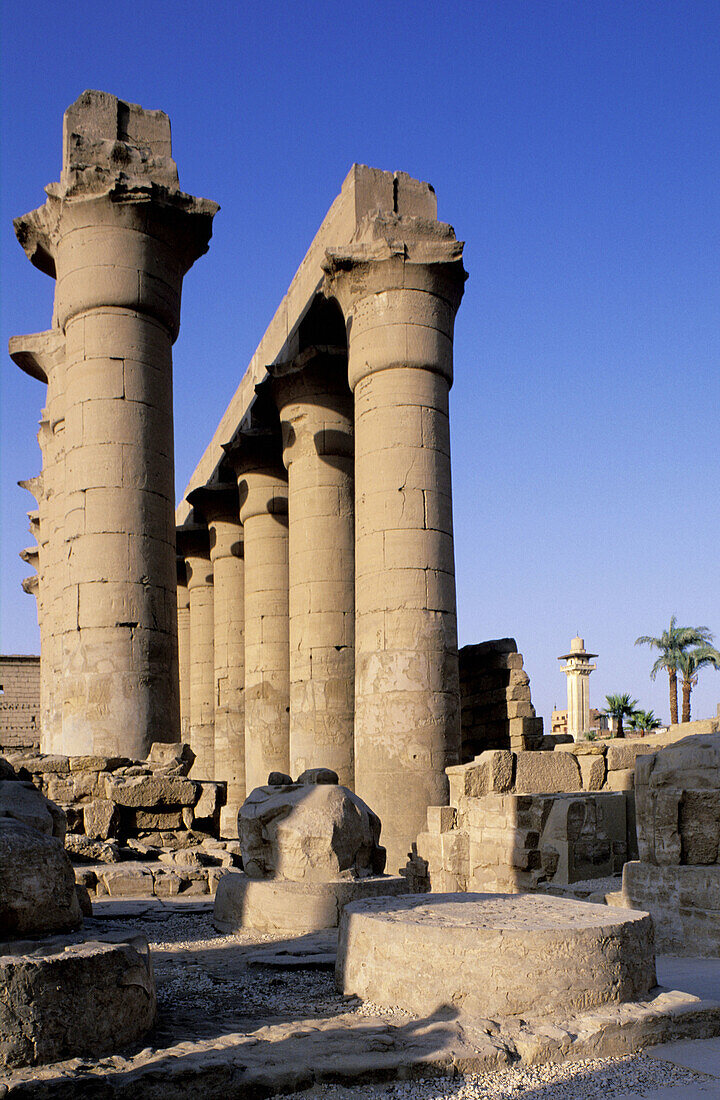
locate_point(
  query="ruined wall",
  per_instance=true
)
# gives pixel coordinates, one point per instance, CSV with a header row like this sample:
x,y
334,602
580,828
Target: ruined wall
x,y
19,702
496,707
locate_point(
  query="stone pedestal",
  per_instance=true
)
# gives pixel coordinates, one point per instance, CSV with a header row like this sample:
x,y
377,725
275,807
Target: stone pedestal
x,y
399,303
494,955
218,505
118,235
262,489
194,544
316,417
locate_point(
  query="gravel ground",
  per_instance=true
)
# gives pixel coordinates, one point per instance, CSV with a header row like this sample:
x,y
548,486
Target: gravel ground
x,y
196,978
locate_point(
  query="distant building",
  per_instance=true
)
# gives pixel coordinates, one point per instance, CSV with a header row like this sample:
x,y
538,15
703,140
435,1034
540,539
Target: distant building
x,y
19,702
597,721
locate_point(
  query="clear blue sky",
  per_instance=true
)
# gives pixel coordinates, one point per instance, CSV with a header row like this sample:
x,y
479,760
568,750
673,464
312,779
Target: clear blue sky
x,y
573,145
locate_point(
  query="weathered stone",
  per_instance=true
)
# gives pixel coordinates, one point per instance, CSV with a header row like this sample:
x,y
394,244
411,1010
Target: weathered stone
x,y
148,792
84,901
101,819
546,773
581,748
491,771
622,755
212,796
69,999
175,754
97,763
84,849
273,905
309,833
24,802
318,775
145,820
621,780
440,819
699,827
279,779
684,903
127,880
592,770
493,956
37,884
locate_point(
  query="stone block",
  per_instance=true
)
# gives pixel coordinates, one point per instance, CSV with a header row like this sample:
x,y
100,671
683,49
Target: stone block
x,y
623,754
127,880
149,820
101,818
491,771
97,763
151,791
440,819
173,754
546,773
592,770
581,748
84,849
212,797
699,827
622,779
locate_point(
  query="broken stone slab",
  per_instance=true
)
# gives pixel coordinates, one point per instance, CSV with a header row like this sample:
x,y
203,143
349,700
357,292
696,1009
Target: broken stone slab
x,y
97,763
546,773
127,880
309,833
493,955
274,905
623,755
150,791
491,771
68,998
83,849
212,797
174,754
37,884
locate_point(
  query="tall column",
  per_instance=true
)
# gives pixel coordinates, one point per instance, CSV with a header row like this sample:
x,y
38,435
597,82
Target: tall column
x,y
183,620
218,505
118,235
42,355
399,290
316,416
262,490
194,545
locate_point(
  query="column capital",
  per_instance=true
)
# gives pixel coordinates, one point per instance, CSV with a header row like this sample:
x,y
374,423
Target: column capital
x,y
34,486
261,478
31,585
193,543
38,353
118,175
314,402
218,505
399,286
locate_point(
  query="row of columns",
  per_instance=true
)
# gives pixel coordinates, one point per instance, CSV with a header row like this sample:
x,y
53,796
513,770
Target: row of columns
x,y
335,629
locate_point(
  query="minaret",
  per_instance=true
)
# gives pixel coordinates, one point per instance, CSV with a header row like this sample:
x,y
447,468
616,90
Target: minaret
x,y
577,670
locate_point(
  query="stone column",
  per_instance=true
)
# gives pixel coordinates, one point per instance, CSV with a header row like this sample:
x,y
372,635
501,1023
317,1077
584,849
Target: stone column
x,y
262,490
42,355
316,416
399,289
218,505
183,620
118,235
194,545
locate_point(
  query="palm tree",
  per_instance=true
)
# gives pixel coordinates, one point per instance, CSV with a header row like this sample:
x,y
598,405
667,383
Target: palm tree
x,y
689,664
644,720
619,707
672,643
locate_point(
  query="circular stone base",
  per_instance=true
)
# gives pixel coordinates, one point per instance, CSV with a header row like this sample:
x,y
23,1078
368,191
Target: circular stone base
x,y
276,905
493,955
65,998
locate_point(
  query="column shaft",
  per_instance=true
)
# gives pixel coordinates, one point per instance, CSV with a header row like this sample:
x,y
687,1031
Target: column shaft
x,y
263,512
202,664
317,421
184,665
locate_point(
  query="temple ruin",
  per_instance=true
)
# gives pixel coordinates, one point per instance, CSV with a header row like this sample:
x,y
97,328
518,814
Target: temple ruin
x,y
309,617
